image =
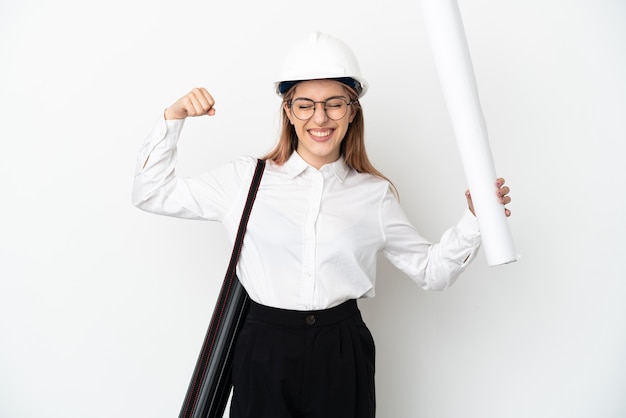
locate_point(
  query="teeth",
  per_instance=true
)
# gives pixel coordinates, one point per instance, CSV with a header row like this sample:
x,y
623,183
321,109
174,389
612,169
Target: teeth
x,y
320,134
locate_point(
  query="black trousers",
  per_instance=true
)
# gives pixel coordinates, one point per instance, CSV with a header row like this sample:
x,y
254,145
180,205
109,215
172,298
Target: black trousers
x,y
304,364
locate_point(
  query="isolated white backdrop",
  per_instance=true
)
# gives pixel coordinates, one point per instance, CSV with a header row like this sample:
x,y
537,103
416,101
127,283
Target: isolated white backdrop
x,y
103,307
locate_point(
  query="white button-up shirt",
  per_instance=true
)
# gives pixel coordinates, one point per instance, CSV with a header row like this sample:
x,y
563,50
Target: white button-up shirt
x,y
314,236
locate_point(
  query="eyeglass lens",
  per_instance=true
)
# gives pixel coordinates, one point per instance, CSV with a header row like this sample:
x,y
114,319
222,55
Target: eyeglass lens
x,y
336,108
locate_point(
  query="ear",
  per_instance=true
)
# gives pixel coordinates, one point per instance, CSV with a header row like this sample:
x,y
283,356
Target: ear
x,y
287,112
353,114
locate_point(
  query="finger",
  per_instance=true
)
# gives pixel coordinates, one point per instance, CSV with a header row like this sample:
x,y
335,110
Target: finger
x,y
507,212
207,96
505,200
503,191
203,98
207,101
470,204
198,102
199,108
195,103
500,182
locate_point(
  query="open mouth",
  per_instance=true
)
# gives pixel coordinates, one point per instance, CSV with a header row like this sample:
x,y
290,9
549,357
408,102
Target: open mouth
x,y
321,134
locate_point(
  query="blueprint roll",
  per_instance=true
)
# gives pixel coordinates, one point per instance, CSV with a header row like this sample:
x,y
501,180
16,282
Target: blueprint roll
x,y
446,35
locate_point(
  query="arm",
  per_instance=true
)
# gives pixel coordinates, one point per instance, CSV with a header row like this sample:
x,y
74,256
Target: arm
x,y
198,102
433,266
158,189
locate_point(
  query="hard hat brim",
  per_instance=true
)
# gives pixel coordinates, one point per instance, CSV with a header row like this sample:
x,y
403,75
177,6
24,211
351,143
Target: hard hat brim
x,y
359,86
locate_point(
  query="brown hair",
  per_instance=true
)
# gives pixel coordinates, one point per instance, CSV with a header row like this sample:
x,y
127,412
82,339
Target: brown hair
x,y
352,146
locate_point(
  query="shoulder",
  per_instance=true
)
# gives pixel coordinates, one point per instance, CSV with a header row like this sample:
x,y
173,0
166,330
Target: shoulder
x,y
244,166
369,179
245,161
238,171
373,188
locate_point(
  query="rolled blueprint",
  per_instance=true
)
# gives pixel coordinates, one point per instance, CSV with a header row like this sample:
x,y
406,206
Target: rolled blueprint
x,y
451,55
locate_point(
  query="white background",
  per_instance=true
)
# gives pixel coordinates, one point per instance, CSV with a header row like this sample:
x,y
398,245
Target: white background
x,y
103,307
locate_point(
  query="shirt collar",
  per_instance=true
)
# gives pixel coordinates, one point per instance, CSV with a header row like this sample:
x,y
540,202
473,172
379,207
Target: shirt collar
x,y
295,166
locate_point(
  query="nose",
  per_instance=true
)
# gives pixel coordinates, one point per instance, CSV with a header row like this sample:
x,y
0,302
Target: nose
x,y
320,116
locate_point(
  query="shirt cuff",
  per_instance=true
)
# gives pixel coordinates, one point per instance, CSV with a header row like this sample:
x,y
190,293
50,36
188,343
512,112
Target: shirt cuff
x,y
168,130
468,226
164,135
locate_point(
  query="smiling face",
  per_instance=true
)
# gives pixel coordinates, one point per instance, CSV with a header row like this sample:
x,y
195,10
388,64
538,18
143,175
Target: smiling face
x,y
319,138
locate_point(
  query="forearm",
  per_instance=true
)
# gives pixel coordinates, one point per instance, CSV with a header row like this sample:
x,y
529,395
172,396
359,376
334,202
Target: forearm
x,y
155,186
447,259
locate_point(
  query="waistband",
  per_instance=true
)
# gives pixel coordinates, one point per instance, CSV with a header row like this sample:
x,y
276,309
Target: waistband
x,y
291,318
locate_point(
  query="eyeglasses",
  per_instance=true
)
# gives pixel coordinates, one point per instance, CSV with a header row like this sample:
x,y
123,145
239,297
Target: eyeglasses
x,y
335,108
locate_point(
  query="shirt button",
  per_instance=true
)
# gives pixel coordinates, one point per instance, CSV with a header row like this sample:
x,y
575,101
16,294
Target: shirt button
x,y
310,320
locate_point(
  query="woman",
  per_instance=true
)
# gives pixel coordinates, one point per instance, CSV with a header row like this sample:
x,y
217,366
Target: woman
x,y
322,215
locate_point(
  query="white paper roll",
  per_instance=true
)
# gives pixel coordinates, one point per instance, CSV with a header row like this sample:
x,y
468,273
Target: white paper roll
x,y
452,59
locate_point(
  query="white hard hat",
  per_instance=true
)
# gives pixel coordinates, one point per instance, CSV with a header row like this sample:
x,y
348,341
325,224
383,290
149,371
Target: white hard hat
x,y
321,56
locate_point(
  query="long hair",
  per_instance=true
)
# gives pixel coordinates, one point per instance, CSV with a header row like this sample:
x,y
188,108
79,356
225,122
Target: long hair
x,y
352,147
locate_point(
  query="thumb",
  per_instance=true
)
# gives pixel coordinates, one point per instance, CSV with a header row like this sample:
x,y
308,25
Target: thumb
x,y
470,203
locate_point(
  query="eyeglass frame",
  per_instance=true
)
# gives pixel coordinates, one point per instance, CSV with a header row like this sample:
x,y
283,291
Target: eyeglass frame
x,y
290,103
